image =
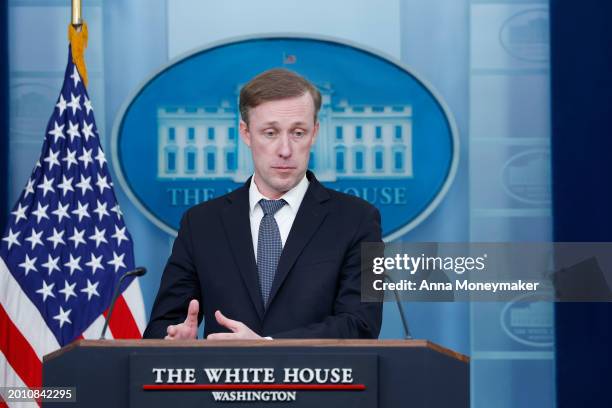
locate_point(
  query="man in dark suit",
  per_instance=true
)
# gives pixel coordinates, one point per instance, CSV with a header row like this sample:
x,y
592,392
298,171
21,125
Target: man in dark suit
x,y
279,257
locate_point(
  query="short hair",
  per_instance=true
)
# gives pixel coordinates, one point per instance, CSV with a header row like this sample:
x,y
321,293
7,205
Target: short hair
x,y
273,85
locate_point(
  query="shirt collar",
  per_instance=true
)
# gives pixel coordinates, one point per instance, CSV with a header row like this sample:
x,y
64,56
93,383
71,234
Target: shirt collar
x,y
293,197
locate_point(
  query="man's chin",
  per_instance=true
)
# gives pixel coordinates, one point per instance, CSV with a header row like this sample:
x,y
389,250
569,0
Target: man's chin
x,y
285,184
284,187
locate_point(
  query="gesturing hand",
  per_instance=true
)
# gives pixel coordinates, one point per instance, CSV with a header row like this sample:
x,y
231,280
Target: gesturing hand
x,y
240,331
189,328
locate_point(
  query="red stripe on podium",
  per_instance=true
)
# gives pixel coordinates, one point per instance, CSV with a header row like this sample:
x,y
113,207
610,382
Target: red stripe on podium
x,y
242,387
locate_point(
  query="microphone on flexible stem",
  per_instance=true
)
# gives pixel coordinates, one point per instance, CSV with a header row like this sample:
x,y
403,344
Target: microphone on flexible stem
x,y
407,334
136,272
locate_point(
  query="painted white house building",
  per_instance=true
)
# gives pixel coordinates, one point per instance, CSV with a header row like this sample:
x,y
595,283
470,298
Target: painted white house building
x,y
362,141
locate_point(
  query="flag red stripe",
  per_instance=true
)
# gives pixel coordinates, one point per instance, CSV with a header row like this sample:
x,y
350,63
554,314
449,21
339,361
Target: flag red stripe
x,y
122,323
18,352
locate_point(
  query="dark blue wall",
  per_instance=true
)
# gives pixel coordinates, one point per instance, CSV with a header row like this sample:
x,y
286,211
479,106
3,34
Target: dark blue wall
x,y
4,66
581,41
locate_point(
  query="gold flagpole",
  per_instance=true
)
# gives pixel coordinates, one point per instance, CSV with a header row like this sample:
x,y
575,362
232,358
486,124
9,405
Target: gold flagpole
x,y
76,14
78,35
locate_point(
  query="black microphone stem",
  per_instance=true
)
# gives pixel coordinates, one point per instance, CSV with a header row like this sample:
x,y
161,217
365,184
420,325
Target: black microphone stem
x,y
136,272
407,334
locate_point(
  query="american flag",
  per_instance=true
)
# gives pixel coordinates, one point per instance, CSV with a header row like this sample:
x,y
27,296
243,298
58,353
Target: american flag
x,y
65,247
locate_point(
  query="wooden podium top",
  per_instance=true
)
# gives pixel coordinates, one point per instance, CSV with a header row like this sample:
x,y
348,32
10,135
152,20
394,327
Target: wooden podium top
x,y
259,343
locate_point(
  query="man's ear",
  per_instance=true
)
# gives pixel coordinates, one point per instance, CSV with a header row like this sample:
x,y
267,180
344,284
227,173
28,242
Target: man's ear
x,y
315,132
244,133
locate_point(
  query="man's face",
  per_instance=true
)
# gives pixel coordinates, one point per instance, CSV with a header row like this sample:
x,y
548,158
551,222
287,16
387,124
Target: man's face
x,y
280,134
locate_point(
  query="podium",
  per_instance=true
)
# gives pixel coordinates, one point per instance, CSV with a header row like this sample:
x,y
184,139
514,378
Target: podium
x,y
280,373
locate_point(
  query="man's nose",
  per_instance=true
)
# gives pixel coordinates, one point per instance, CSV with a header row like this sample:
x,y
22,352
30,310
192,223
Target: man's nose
x,y
284,148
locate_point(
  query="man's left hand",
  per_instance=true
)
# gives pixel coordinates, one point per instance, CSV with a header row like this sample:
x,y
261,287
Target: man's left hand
x,y
240,331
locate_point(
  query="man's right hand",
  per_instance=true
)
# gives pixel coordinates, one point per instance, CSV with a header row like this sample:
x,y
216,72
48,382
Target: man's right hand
x,y
189,328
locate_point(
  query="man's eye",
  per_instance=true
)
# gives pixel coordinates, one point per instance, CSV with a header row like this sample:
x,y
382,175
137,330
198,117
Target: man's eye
x,y
269,133
299,133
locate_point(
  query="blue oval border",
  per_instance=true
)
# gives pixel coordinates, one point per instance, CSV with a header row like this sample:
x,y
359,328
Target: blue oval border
x,y
398,232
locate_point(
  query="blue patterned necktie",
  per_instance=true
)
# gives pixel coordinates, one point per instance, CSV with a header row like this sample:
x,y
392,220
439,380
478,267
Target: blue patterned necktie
x,y
269,246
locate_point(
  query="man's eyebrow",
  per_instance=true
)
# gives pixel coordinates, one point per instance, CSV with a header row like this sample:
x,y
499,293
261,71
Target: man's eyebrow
x,y
275,123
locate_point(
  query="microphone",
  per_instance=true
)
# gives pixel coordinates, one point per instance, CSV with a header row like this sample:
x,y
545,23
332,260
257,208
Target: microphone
x,y
136,272
407,335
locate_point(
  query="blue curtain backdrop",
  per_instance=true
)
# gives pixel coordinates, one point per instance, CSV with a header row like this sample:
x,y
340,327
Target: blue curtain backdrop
x,y
582,170
4,134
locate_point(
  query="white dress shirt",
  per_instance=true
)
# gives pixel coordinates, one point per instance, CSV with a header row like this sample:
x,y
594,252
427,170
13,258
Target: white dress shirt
x,y
284,217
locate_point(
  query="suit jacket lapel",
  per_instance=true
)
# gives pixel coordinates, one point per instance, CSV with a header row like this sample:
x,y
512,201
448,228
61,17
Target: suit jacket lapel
x,y
308,219
238,230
